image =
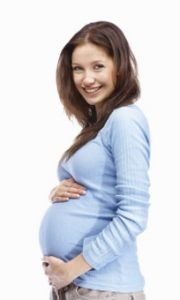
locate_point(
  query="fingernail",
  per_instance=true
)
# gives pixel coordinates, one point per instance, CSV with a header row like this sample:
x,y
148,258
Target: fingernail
x,y
45,264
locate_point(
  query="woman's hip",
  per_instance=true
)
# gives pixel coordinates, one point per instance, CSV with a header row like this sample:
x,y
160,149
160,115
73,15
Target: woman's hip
x,y
73,292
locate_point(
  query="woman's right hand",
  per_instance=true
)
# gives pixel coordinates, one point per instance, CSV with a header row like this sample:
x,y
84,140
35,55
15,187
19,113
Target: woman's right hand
x,y
66,189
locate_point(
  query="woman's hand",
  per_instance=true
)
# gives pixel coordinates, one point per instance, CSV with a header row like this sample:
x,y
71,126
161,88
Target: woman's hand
x,y
61,273
56,271
65,190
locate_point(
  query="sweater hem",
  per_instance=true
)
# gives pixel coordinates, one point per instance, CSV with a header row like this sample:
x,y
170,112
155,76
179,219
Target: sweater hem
x,y
107,287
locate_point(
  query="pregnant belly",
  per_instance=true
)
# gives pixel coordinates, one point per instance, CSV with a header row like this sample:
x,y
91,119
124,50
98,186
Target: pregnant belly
x,y
65,225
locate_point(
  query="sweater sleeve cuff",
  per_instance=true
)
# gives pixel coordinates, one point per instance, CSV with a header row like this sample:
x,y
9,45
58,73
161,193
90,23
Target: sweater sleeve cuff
x,y
94,254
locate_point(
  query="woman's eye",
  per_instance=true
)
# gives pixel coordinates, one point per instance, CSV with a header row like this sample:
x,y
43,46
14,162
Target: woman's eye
x,y
76,68
98,66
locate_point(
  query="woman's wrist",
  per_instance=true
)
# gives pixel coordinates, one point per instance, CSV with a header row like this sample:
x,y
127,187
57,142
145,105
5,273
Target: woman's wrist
x,y
77,266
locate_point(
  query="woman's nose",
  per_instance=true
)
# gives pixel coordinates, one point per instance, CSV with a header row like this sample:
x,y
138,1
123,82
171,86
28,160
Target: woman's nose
x,y
88,79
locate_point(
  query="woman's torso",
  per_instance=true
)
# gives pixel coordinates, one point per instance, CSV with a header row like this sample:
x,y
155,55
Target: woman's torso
x,y
67,226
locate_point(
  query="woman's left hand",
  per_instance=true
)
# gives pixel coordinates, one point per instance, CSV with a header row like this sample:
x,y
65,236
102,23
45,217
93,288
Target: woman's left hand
x,y
56,271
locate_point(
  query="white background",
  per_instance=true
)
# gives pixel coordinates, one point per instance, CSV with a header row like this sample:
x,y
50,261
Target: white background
x,y
35,131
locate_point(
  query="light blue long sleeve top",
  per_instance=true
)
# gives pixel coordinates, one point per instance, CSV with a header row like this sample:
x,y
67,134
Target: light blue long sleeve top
x,y
104,223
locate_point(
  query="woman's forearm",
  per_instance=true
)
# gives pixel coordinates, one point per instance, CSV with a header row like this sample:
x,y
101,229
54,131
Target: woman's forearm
x,y
77,266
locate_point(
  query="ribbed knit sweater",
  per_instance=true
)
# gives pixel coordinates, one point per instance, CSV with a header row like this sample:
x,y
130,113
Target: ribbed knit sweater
x,y
104,223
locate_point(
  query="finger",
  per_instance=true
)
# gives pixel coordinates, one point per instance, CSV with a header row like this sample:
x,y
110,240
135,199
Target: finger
x,y
76,190
63,188
60,196
52,192
72,183
78,186
65,196
69,192
45,258
48,270
58,192
59,199
45,264
74,196
69,180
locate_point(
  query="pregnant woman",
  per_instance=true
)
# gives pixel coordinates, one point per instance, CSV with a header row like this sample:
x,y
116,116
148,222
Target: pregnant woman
x,y
88,234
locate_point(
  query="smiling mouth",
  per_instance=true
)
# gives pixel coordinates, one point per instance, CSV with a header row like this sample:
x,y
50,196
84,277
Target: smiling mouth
x,y
91,90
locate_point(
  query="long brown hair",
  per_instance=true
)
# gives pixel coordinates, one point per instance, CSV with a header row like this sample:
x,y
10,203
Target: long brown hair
x,y
127,90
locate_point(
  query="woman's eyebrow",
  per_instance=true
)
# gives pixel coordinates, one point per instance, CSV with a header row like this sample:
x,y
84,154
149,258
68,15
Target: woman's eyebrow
x,y
93,62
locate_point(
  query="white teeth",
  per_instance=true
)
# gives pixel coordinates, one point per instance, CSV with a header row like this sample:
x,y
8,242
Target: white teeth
x,y
91,90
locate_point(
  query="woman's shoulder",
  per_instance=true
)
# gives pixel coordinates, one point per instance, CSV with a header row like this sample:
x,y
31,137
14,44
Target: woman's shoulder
x,y
128,113
127,119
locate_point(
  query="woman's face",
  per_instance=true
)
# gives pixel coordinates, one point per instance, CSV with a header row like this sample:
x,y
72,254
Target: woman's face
x,y
94,73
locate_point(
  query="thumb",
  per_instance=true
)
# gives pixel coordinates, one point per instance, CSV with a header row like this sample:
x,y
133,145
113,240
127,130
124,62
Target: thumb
x,y
45,261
